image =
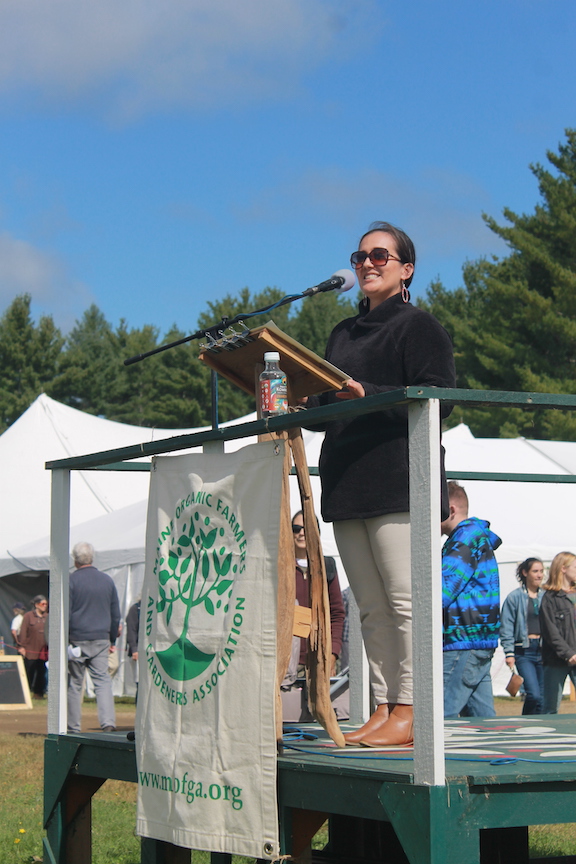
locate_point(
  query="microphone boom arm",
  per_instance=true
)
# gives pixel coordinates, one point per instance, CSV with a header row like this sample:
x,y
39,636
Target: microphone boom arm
x,y
342,280
215,329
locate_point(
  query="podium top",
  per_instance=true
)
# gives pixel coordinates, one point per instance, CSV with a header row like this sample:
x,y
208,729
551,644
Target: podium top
x,y
237,357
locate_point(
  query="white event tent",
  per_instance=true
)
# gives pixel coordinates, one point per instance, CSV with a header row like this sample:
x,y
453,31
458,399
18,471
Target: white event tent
x,y
108,508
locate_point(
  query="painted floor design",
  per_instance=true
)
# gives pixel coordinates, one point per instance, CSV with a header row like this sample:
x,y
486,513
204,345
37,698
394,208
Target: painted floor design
x,y
528,737
544,738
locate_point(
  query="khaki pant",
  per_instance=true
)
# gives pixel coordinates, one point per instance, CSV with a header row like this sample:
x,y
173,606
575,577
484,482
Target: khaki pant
x,y
376,556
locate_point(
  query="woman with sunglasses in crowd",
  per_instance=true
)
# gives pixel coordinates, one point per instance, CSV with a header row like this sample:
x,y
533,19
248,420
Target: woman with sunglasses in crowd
x,y
558,626
337,612
297,667
520,632
364,466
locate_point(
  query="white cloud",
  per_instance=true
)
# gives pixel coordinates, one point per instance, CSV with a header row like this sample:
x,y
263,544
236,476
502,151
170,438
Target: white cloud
x,y
441,210
25,269
136,56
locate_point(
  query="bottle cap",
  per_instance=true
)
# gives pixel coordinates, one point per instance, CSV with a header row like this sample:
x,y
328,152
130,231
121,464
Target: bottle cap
x,y
271,357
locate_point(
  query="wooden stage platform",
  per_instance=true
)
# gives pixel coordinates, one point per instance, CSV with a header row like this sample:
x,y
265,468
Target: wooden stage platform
x,y
502,775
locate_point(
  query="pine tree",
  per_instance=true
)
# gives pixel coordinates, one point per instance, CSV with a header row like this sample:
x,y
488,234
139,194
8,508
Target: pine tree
x,y
182,386
134,393
514,322
170,389
88,365
28,357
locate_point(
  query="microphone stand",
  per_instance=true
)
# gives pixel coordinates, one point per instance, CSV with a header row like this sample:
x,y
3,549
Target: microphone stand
x,y
211,333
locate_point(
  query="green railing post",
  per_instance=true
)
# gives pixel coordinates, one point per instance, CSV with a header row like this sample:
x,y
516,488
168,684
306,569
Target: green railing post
x,y
425,544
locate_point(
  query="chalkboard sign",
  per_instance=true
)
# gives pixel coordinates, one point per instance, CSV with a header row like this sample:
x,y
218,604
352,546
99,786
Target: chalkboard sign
x,y
14,690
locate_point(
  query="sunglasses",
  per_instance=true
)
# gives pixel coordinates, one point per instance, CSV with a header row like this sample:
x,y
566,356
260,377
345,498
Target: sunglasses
x,y
296,529
378,257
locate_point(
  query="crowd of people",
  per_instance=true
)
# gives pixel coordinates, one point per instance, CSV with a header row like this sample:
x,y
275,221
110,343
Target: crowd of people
x,y
536,625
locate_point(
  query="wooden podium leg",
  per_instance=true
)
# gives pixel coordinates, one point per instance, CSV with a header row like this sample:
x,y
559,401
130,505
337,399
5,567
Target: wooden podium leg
x,y
320,653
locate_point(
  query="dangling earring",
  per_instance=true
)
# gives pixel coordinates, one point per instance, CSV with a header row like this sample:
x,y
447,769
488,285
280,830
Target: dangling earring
x,y
405,292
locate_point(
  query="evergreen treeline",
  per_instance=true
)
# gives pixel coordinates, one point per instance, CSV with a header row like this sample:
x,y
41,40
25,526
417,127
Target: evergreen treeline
x,y
513,323
172,389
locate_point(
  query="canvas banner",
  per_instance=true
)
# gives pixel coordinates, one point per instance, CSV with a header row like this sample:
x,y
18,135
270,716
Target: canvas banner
x,y
205,733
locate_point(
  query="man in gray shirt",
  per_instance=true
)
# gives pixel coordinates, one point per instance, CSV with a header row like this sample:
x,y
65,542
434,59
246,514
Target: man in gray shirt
x,y
94,621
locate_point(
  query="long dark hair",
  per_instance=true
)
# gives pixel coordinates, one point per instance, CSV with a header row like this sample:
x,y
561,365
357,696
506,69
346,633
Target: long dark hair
x,y
523,569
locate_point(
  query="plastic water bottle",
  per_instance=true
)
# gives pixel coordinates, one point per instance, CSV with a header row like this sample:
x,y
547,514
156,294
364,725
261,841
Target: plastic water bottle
x,y
273,388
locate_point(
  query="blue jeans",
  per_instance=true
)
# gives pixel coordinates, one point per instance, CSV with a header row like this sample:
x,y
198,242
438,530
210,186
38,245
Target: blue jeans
x,y
467,683
529,665
554,678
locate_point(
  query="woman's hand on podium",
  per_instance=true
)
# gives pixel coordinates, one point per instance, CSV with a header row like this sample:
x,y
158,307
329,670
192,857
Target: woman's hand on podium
x,y
352,390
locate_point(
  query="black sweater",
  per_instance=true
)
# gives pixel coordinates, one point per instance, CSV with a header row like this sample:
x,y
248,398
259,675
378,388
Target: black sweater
x,y
558,628
364,461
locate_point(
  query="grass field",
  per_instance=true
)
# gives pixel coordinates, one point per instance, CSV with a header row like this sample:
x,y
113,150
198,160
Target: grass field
x,y
21,790
21,794
114,805
21,832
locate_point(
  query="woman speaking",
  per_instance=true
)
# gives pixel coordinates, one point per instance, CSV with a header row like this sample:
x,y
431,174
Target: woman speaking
x,y
364,466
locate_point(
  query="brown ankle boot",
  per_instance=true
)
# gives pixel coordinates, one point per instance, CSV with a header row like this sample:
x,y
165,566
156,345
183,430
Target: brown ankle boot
x,y
378,718
398,729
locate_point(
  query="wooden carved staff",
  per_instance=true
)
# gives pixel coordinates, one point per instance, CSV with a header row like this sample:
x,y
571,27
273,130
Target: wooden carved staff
x,y
286,586
319,663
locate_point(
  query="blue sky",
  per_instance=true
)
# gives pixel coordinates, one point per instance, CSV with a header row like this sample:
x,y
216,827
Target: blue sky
x,y
159,155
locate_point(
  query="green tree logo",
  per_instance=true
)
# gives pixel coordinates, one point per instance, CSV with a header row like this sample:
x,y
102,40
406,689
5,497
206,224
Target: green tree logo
x,y
196,572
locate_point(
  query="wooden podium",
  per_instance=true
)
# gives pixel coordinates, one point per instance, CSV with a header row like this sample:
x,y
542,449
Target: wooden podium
x,y
240,359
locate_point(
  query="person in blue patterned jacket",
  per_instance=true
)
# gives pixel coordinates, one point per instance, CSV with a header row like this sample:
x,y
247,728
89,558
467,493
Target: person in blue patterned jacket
x,y
471,607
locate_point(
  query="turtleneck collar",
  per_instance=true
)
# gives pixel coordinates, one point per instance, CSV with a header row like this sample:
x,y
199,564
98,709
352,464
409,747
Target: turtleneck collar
x,y
382,310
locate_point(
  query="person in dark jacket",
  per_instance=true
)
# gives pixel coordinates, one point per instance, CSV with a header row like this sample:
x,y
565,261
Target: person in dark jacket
x,y
471,607
132,628
33,645
94,622
558,627
296,708
364,466
337,611
520,632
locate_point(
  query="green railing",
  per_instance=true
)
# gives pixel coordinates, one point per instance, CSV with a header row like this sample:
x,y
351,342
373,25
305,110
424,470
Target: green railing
x,y
120,458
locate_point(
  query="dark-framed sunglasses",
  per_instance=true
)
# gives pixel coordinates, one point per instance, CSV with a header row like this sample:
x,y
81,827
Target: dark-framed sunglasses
x,y
296,529
378,257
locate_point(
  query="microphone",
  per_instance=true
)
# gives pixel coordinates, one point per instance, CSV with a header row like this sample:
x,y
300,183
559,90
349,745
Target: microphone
x,y
341,281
